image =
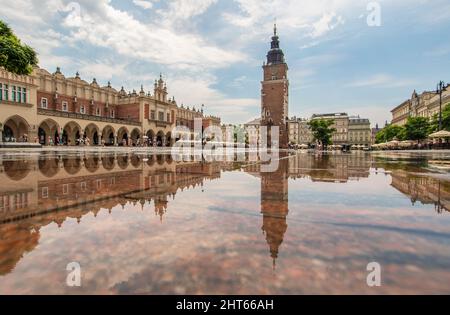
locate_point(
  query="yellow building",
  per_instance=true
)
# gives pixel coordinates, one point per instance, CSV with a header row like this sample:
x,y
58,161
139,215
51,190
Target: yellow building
x,y
425,104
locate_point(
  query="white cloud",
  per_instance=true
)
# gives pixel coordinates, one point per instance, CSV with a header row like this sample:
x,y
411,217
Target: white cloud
x,y
382,80
143,4
197,91
327,22
292,15
105,26
185,9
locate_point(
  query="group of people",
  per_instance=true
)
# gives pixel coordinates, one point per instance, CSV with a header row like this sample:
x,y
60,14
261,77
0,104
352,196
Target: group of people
x,y
85,141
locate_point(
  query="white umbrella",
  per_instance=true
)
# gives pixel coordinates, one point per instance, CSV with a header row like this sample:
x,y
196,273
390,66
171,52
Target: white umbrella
x,y
440,134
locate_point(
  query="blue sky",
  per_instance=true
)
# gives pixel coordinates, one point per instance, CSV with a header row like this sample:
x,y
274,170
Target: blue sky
x,y
211,51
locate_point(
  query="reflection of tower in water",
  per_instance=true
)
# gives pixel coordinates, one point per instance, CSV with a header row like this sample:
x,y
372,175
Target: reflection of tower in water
x,y
275,207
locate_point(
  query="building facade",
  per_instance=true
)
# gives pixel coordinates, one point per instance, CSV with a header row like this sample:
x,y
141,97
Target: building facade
x,y
341,123
299,131
359,131
253,130
426,104
275,93
50,109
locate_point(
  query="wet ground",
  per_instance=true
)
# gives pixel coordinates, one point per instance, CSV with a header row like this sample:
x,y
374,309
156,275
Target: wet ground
x,y
140,223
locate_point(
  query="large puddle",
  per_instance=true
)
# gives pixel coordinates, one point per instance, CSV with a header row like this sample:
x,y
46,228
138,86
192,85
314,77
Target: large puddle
x,y
147,224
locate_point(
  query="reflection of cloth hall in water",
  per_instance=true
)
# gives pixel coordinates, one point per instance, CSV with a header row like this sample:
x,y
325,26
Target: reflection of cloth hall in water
x,y
35,193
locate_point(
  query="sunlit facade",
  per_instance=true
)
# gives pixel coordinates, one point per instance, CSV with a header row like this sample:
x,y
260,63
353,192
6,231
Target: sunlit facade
x,y
49,109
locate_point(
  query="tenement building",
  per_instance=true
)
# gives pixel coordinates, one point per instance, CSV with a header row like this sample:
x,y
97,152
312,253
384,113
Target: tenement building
x,y
275,93
299,131
426,104
50,109
359,131
341,123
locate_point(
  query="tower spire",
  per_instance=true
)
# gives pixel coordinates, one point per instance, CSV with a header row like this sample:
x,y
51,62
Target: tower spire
x,y
275,28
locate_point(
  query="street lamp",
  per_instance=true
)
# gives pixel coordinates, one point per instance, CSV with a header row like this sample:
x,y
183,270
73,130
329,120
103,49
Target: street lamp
x,y
440,88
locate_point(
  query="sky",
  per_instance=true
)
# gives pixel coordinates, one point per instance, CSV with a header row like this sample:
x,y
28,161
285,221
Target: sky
x,y
211,51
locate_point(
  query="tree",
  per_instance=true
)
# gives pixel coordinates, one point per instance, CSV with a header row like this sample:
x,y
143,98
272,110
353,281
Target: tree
x,y
417,128
434,124
390,133
322,131
15,56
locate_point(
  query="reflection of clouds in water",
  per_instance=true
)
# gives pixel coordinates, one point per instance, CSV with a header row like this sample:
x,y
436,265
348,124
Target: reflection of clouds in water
x,y
213,242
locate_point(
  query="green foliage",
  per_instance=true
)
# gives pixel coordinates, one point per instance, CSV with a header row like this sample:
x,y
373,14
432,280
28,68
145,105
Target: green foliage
x,y
434,124
322,131
390,133
417,128
15,56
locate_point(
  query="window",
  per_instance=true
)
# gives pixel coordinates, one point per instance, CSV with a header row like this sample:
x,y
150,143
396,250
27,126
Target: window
x,y
19,94
83,186
44,103
152,115
82,109
113,114
97,111
24,95
6,92
65,107
65,189
44,192
14,99
168,117
160,116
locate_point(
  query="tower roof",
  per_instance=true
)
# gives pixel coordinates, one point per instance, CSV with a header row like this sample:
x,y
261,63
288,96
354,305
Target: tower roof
x,y
275,55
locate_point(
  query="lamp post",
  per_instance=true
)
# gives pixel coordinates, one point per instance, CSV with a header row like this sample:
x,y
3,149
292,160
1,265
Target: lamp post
x,y
440,88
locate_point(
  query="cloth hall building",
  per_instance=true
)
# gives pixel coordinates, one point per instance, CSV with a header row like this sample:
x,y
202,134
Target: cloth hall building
x,y
49,109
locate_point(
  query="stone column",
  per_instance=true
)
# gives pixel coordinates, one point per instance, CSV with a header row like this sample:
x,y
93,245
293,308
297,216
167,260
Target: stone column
x,y
33,134
1,134
115,140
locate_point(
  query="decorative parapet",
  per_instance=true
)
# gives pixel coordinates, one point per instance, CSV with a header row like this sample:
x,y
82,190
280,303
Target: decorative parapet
x,y
54,113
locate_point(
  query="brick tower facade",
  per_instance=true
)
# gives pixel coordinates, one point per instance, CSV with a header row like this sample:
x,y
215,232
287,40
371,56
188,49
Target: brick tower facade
x,y
275,93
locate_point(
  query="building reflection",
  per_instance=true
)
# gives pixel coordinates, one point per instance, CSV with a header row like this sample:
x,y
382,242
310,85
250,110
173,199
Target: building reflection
x,y
275,206
37,192
425,190
275,187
